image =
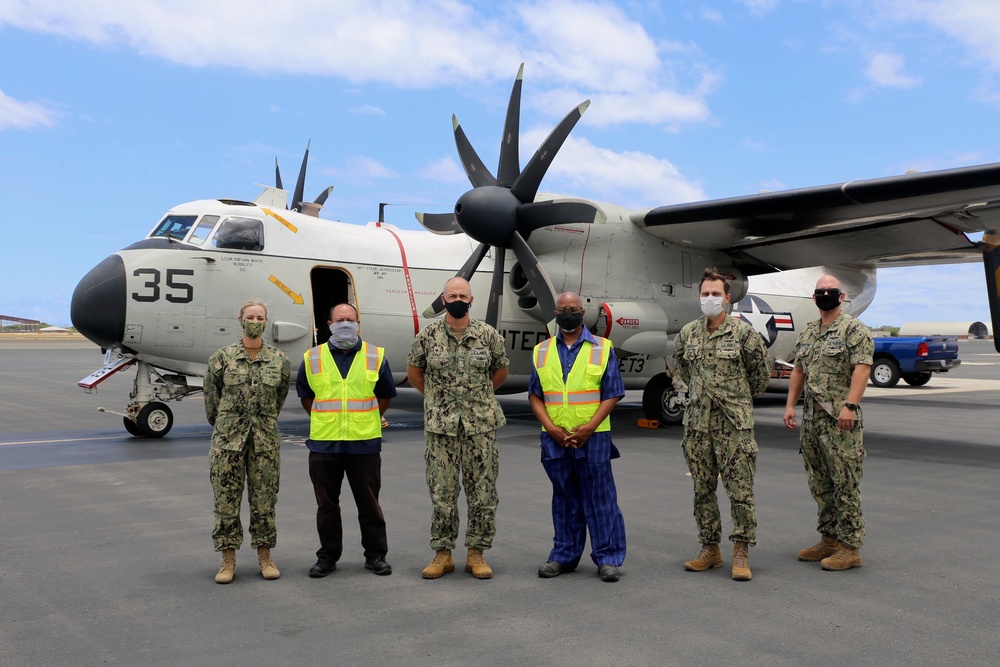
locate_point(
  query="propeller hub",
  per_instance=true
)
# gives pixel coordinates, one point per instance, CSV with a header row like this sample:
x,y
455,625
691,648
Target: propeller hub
x,y
488,214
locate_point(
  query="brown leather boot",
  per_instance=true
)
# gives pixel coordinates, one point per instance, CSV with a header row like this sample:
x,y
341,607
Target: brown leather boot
x,y
708,557
267,567
741,563
228,569
441,565
475,564
845,558
822,549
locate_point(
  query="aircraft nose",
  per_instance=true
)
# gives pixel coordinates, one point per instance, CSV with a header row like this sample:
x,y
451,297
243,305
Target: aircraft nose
x,y
98,306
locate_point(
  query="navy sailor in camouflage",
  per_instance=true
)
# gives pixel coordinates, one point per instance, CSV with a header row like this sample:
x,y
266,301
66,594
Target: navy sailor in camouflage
x,y
245,386
724,363
457,364
833,360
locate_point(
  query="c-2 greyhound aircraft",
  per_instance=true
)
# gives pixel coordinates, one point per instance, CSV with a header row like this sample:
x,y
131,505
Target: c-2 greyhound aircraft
x,y
167,302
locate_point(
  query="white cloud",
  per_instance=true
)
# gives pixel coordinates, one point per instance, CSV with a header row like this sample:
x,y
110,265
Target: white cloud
x,y
973,23
24,115
445,170
593,47
368,110
361,169
760,6
627,178
887,69
949,293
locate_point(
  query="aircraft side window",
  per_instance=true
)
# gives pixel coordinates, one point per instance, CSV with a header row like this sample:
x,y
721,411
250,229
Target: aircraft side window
x,y
203,230
174,226
240,234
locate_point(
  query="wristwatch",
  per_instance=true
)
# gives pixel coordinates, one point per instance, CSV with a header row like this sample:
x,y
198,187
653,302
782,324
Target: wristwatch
x,y
853,407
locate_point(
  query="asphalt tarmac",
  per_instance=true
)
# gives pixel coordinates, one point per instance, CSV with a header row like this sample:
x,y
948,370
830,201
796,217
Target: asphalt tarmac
x,y
106,556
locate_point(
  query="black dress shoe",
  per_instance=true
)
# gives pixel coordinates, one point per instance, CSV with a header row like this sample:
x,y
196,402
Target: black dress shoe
x,y
609,573
322,568
378,566
550,569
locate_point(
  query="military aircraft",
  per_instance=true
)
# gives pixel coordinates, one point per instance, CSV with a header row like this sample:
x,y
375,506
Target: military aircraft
x,y
165,303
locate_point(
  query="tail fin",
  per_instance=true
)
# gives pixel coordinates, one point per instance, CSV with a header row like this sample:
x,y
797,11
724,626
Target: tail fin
x,y
991,262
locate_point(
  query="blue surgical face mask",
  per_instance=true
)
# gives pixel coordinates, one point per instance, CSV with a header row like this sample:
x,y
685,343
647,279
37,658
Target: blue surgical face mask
x,y
344,335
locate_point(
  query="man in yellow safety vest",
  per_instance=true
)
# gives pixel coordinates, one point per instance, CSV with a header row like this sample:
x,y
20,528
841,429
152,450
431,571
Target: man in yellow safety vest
x,y
345,385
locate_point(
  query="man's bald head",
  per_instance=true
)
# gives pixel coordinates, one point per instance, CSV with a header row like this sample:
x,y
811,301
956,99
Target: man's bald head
x,y
828,282
457,288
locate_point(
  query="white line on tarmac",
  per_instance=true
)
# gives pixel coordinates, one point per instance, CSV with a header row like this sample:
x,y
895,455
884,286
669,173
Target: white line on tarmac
x,y
935,386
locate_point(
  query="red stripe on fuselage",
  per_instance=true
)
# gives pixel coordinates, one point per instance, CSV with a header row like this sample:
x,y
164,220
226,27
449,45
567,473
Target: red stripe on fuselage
x,y
406,276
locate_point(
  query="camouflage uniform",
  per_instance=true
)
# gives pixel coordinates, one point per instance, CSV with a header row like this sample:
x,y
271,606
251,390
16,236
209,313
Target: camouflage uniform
x,y
461,416
833,457
724,370
242,399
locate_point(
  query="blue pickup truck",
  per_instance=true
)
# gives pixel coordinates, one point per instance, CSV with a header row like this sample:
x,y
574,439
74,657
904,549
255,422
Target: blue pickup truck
x,y
913,359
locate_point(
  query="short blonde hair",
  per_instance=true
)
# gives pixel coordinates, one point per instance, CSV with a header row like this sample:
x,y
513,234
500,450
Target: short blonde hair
x,y
254,302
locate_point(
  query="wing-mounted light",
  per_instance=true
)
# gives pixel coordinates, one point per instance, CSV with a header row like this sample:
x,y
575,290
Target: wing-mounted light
x,y
298,204
991,263
500,211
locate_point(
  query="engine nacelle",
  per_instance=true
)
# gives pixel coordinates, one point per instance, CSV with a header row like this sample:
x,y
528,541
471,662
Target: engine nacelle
x,y
635,327
738,283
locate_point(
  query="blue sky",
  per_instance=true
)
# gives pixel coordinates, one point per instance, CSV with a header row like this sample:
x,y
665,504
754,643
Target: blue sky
x,y
112,111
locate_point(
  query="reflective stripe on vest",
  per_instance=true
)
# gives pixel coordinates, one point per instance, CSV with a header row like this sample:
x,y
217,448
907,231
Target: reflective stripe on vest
x,y
344,408
575,401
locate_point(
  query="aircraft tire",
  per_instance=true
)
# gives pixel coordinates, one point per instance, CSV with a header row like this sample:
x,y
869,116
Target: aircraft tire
x,y
132,427
656,401
155,419
885,373
917,379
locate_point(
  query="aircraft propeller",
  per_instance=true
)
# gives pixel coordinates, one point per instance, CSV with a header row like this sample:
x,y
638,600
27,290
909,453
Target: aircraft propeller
x,y
300,186
500,211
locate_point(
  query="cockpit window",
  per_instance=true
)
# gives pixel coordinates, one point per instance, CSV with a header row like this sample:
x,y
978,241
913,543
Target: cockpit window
x,y
175,226
240,234
203,230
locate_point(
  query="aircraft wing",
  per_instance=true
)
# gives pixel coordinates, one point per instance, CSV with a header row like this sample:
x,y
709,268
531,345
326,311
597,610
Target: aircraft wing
x,y
919,218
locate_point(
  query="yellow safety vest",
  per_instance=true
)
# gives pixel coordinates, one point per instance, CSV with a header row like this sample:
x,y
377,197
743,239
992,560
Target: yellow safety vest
x,y
576,401
344,408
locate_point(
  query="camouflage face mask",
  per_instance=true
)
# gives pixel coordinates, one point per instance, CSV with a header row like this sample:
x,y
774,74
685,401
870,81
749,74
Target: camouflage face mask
x,y
253,329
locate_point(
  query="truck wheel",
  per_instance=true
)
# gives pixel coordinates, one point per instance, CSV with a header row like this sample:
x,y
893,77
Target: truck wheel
x,y
885,373
917,379
658,403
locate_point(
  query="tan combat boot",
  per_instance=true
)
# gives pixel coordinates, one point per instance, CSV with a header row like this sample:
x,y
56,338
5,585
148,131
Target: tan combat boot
x,y
845,558
708,557
441,565
741,564
267,567
822,549
228,569
476,565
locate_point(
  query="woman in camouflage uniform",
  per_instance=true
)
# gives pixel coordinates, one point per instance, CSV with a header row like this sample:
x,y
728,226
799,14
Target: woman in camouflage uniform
x,y
245,387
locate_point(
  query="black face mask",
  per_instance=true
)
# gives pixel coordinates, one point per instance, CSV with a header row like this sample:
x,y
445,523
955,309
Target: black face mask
x,y
457,308
828,301
569,321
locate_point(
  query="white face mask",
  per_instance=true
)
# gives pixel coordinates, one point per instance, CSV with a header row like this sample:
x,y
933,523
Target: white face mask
x,y
344,334
712,305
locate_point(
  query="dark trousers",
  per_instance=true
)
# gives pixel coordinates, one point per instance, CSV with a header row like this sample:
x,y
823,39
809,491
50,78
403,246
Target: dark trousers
x,y
364,474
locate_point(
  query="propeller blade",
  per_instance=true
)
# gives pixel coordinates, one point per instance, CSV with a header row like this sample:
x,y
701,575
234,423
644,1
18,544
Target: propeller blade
x,y
322,197
300,185
495,308
537,278
277,175
474,168
439,223
547,213
510,167
526,186
466,272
